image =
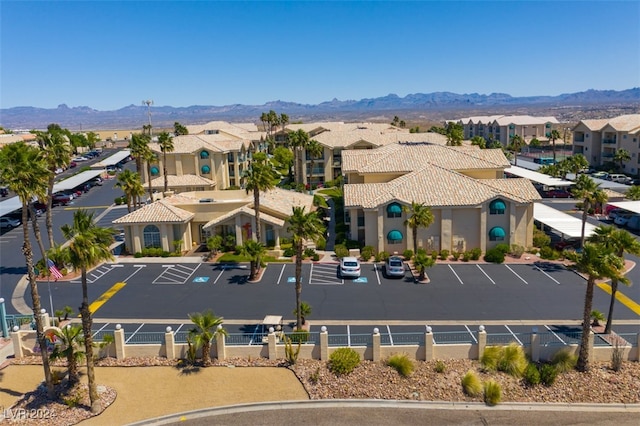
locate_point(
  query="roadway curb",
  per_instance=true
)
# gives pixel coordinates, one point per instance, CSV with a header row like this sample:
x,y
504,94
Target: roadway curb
x,y
17,298
368,403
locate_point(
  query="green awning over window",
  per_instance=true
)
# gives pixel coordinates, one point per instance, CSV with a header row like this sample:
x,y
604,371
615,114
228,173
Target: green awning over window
x,y
497,233
498,205
155,170
394,235
206,169
204,154
394,208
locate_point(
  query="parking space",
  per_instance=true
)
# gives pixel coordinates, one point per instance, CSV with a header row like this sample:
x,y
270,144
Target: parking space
x,y
176,273
324,274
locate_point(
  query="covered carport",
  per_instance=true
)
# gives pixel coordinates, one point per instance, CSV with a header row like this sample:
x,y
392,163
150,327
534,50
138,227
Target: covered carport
x,y
564,224
76,180
10,205
540,178
112,160
631,206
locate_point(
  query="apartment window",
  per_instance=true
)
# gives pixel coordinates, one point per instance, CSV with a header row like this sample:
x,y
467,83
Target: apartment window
x,y
151,235
394,237
204,155
497,207
497,234
205,169
154,171
394,210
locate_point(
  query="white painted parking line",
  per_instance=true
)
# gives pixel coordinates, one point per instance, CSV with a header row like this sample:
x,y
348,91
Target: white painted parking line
x,y
485,274
514,273
390,336
178,329
322,274
280,276
514,335
168,266
454,273
116,265
139,268
176,274
471,333
134,333
552,279
375,268
553,332
219,275
101,328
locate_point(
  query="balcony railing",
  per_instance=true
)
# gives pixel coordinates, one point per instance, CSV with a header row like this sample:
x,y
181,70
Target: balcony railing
x,y
609,141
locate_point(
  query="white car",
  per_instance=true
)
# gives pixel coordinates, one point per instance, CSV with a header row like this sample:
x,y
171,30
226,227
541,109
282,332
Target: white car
x,y
7,222
622,219
349,267
80,159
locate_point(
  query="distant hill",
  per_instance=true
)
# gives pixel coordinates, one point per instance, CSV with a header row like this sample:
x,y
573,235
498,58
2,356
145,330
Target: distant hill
x,y
433,106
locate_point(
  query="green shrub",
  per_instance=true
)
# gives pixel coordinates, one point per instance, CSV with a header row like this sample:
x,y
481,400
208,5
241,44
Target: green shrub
x,y
492,393
444,254
549,253
490,358
366,253
440,367
531,375
402,364
309,252
494,255
513,360
289,252
315,257
548,374
540,238
341,251
516,250
434,255
321,245
471,384
476,253
466,256
504,248
343,361
382,256
564,360
407,254
455,255
299,336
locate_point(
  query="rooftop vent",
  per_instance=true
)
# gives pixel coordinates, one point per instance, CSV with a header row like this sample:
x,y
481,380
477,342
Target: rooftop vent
x,y
206,200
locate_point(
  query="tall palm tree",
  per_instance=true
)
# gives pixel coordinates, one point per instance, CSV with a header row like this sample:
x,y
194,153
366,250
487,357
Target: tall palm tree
x,y
57,153
24,171
303,226
554,135
298,140
421,217
89,245
131,186
596,262
205,330
166,145
589,192
148,157
621,155
254,250
575,164
314,151
259,177
620,242
517,142
138,145
70,349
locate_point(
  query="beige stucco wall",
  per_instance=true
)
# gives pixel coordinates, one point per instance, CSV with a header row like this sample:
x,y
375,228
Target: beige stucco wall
x,y
380,177
465,231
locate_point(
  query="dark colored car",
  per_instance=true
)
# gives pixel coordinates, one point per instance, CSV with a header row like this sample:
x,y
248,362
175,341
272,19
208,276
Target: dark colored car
x,y
4,191
72,164
61,199
557,193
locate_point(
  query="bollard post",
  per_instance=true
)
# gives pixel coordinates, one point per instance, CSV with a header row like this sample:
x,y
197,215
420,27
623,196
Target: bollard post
x,y
482,341
272,344
376,345
221,350
169,344
118,340
3,319
324,344
428,344
535,345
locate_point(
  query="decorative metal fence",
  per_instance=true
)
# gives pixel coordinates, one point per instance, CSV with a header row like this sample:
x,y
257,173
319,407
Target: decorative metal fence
x,y
402,339
18,321
455,337
141,338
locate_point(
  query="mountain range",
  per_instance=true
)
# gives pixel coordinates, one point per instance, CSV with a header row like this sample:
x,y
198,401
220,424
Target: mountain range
x,y
435,106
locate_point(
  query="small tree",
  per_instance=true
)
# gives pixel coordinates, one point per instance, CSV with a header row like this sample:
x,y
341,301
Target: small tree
x,y
70,349
305,311
254,251
422,261
207,327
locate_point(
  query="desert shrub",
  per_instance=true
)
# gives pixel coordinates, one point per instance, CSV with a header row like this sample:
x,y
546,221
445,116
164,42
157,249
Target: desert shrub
x,y
434,255
440,367
291,353
548,374
309,252
466,256
492,393
315,376
494,255
540,238
531,375
341,251
471,384
321,245
315,257
490,358
513,360
407,254
289,252
366,253
402,364
382,256
503,247
616,357
455,255
564,360
549,253
343,361
476,253
516,250
444,254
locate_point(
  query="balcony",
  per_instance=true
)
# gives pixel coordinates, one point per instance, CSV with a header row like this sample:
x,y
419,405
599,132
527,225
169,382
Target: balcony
x,y
609,141
361,221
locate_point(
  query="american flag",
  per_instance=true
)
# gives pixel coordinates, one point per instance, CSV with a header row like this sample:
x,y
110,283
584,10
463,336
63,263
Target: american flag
x,y
52,267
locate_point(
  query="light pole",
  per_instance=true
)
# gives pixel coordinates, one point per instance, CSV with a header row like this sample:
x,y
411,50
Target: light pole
x,y
148,103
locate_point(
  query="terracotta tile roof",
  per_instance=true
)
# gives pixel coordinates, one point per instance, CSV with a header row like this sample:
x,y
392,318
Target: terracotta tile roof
x,y
189,144
626,123
183,180
264,217
281,201
345,139
158,212
594,125
504,120
232,128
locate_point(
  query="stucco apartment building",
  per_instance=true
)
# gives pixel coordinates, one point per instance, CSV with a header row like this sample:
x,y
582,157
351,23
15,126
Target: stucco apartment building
x,y
502,127
598,140
474,206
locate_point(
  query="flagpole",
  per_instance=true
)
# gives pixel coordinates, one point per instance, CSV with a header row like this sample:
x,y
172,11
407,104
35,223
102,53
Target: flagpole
x,y
46,260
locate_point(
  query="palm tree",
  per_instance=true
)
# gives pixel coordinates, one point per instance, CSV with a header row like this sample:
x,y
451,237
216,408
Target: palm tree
x,y
303,226
70,349
314,151
422,261
131,186
166,145
454,133
554,136
254,250
589,192
207,327
516,146
148,156
575,164
179,129
621,155
138,145
259,177
421,217
633,193
24,171
619,242
89,245
298,140
596,262
57,153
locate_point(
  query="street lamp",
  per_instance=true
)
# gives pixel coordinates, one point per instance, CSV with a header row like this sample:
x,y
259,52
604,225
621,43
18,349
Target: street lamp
x,y
148,103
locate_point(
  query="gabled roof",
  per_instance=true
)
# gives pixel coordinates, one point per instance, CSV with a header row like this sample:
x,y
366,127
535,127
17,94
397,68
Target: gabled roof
x,y
182,180
190,144
158,212
232,128
282,201
264,217
524,120
348,138
626,123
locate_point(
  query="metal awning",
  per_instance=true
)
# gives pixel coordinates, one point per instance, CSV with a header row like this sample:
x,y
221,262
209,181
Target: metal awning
x,y
562,222
10,205
76,180
537,177
632,206
113,159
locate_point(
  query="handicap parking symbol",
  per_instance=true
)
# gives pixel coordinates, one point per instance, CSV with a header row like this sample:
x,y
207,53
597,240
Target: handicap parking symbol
x,y
200,279
291,279
361,280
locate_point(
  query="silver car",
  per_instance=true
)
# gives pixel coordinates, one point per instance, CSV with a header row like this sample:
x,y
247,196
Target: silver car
x,y
349,267
394,267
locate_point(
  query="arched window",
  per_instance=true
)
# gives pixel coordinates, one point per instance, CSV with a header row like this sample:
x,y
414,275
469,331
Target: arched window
x,y
394,237
151,235
496,234
394,210
497,207
154,171
204,154
205,169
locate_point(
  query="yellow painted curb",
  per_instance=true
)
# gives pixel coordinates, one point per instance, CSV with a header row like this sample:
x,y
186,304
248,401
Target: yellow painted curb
x,y
626,301
106,296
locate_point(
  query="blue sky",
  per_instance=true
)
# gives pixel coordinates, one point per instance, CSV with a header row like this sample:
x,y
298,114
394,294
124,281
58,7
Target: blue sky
x,y
110,54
